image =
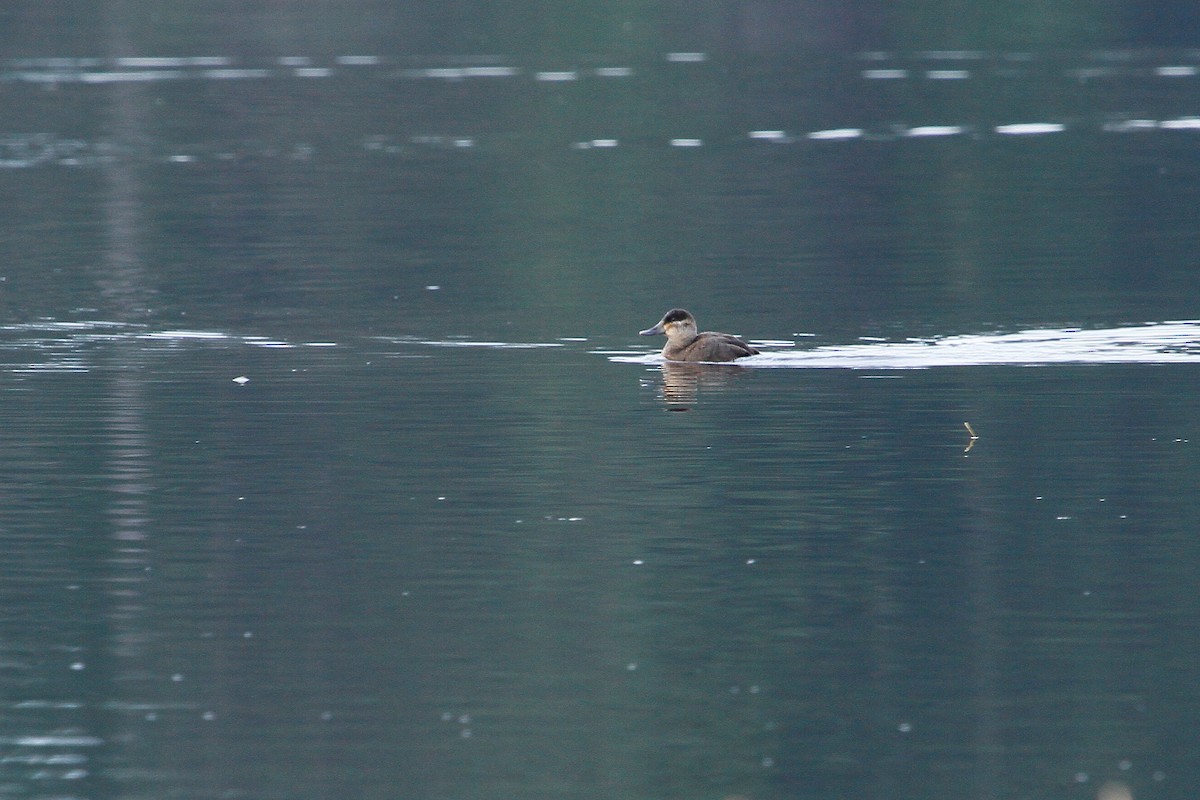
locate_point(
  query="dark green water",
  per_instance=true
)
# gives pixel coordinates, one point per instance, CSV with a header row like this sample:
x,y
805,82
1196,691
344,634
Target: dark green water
x,y
455,533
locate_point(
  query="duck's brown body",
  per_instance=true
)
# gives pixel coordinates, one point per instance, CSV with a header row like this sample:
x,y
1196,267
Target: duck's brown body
x,y
685,344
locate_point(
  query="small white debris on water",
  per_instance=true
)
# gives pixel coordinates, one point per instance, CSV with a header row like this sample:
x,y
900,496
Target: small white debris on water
x,y
241,380
433,287
687,143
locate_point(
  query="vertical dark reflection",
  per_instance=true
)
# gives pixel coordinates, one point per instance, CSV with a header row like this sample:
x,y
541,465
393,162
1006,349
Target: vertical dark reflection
x,y
986,610
127,468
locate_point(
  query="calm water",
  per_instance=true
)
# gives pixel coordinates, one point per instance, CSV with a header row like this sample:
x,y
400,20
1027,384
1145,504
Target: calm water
x,y
334,466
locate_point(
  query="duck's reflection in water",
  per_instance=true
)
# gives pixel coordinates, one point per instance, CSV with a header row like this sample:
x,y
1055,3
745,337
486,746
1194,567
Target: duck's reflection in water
x,y
682,381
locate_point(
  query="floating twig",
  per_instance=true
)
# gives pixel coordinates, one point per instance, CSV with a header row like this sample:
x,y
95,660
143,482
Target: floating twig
x,y
974,437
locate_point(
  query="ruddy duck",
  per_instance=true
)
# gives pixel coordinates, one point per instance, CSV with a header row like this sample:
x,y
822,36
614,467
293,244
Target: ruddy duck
x,y
685,344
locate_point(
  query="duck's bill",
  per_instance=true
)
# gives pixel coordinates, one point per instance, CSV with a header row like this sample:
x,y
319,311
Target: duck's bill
x,y
655,331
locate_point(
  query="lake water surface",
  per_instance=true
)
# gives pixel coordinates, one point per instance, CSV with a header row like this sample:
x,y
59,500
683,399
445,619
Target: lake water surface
x,y
334,465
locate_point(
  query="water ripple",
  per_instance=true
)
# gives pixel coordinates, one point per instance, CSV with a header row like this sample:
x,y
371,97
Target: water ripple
x,y
1168,342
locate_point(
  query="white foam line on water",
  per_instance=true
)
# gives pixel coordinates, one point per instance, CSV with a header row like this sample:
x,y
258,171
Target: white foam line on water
x,y
63,325
934,130
1180,124
492,345
264,341
52,741
1174,342
185,334
1030,128
129,77
139,62
36,369
951,55
490,72
834,134
1130,126
769,136
235,74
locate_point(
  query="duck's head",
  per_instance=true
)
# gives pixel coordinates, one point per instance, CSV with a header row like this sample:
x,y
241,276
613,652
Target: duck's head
x,y
676,324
